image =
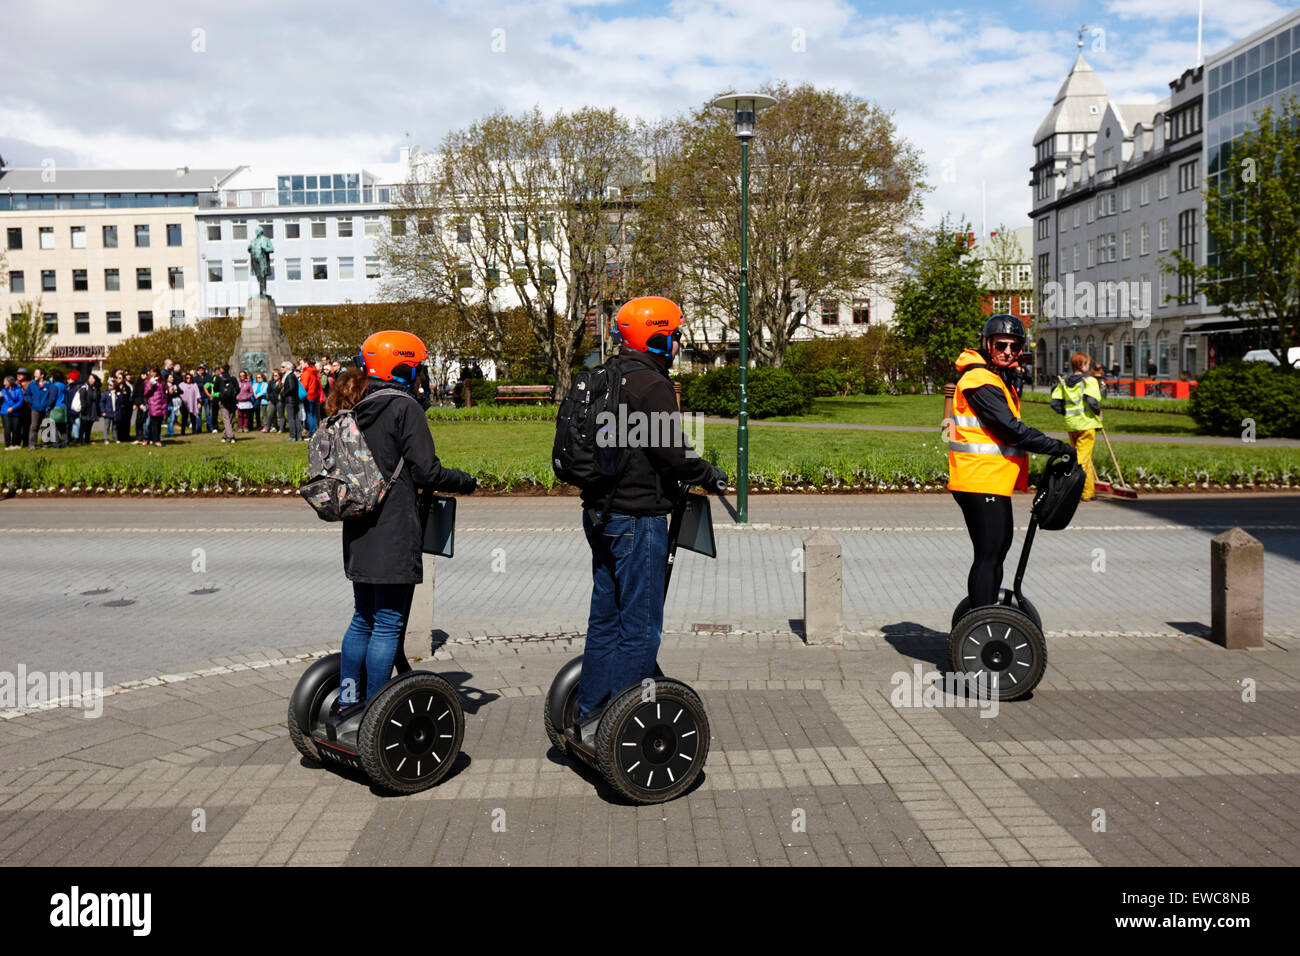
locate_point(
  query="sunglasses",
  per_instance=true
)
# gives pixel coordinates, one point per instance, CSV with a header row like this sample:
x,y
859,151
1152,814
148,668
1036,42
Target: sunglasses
x,y
1005,347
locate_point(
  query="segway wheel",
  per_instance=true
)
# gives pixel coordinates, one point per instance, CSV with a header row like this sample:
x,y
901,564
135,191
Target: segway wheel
x,y
316,690
561,710
411,732
652,750
1007,598
999,643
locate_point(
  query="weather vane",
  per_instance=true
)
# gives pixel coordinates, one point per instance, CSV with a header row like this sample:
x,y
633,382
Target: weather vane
x,y
1082,30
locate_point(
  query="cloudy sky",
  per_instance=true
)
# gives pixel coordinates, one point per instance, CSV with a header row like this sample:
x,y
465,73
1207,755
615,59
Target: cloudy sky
x,y
287,86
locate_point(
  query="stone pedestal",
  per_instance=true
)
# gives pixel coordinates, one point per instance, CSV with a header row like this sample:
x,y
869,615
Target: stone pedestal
x,y
261,345
823,595
1237,590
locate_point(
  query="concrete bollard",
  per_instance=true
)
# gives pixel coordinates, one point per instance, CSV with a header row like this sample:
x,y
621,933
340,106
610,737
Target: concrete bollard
x,y
1236,590
823,594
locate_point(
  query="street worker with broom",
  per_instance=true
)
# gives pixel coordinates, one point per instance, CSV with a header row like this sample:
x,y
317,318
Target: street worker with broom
x,y
1078,398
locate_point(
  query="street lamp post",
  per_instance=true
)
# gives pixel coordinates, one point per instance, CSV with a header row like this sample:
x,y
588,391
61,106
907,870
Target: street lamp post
x,y
744,107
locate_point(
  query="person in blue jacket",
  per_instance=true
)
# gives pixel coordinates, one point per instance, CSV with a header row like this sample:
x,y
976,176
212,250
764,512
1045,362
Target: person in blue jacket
x,y
11,408
59,399
38,400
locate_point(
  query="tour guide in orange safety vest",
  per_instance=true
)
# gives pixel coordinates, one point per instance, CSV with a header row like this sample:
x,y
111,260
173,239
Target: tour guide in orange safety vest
x,y
988,450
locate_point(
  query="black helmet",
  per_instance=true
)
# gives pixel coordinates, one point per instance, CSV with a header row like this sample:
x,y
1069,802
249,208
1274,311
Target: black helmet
x,y
1003,324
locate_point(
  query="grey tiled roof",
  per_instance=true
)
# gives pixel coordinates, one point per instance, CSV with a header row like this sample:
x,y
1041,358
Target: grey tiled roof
x,y
111,180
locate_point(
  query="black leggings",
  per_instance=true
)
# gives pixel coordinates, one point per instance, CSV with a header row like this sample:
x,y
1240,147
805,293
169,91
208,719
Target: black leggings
x,y
988,520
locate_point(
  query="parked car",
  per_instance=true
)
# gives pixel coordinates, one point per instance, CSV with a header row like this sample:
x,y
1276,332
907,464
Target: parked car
x,y
1264,355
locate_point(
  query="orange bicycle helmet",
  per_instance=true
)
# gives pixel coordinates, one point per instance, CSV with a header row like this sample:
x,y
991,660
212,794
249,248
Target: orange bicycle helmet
x,y
648,323
392,356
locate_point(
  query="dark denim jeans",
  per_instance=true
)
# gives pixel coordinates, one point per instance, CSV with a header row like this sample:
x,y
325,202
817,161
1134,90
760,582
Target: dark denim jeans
x,y
628,557
370,644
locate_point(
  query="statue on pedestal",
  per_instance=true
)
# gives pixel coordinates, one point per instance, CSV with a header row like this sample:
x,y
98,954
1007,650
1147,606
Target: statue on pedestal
x,y
259,254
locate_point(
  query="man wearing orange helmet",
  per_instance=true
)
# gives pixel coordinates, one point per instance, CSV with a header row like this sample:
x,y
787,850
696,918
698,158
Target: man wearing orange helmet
x,y
627,523
382,554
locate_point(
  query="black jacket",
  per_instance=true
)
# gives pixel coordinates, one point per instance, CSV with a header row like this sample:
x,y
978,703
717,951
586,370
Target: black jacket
x,y
648,485
384,547
89,402
227,387
289,389
991,406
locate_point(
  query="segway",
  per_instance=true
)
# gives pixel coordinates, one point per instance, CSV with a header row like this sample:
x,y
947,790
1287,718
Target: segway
x,y
1001,645
406,737
652,739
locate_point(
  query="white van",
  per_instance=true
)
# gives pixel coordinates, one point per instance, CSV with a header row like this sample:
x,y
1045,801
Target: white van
x,y
1264,355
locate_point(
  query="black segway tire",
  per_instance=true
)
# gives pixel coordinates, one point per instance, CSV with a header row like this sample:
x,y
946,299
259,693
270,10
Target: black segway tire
x,y
310,700
561,710
411,732
1007,598
652,750
1001,641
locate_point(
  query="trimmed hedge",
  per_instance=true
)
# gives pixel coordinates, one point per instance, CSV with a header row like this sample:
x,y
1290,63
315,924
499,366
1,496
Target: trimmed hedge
x,y
1178,406
1235,393
772,391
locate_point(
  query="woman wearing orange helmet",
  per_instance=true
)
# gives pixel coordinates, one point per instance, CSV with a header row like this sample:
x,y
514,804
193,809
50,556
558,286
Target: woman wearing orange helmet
x,y
382,554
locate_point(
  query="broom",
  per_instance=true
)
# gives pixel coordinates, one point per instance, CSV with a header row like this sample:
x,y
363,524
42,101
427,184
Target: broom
x,y
1121,489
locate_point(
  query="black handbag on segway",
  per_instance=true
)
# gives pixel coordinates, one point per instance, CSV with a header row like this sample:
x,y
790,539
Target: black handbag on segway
x,y
653,738
1002,644
407,737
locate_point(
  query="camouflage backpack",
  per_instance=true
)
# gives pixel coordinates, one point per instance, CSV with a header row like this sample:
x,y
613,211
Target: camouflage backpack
x,y
345,480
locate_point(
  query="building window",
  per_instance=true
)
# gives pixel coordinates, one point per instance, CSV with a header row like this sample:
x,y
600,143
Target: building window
x,y
1163,290
1144,239
1092,253
521,230
1092,213
173,233
1063,221
319,268
1187,246
51,323
1144,192
214,270
176,277
239,230
861,311
318,227
1001,304
1076,257
463,277
293,270
344,225
492,231
16,282
397,225
214,232
141,236
178,318
1126,199
1126,244
1162,186
240,270
346,267
15,237
47,237
47,281
370,225
114,322
143,278
1044,227
1024,305
830,312
145,320
1189,175
462,232
548,273
79,283
81,323
292,229
1076,217
110,237
372,267
1163,235
268,228
78,237
112,282
424,225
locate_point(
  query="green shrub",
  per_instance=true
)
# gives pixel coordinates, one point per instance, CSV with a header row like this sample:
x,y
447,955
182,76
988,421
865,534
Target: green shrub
x,y
10,367
772,391
1174,406
1229,395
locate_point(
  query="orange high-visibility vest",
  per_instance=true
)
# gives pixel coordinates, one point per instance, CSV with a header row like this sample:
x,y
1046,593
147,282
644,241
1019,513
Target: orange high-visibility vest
x,y
976,462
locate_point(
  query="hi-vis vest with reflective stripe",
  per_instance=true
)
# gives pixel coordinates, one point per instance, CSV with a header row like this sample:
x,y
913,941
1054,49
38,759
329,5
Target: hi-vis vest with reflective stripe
x,y
1078,416
976,462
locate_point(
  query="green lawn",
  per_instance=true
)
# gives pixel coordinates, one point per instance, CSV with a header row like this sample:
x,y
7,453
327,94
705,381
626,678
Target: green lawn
x,y
508,454
927,410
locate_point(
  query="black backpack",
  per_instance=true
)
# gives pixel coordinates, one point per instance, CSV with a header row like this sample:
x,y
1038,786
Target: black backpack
x,y
580,455
229,390
1057,499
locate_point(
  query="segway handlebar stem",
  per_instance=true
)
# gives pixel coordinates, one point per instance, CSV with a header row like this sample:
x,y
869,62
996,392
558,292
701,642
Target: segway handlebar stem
x,y
1029,543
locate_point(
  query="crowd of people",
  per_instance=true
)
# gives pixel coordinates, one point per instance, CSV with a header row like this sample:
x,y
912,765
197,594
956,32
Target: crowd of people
x,y
60,410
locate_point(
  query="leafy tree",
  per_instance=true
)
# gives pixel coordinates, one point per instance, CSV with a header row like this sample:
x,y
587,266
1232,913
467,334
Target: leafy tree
x,y
833,191
939,308
24,336
208,341
1252,221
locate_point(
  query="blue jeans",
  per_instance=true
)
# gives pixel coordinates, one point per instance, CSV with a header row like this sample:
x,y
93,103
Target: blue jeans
x,y
628,557
310,407
370,644
205,415
172,411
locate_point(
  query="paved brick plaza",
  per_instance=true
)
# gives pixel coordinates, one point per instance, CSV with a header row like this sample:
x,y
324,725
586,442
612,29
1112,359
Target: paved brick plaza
x,y
1149,727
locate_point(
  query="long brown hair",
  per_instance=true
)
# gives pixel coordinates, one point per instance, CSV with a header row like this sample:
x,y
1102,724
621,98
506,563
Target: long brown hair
x,y
347,391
